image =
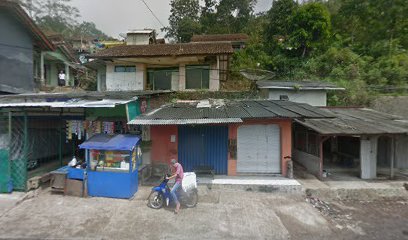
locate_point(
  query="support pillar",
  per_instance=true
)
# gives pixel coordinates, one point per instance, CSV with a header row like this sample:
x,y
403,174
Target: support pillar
x,y
182,77
67,75
368,156
42,70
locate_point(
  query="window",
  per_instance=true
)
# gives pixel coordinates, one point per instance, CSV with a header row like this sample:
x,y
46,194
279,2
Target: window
x,y
198,77
125,69
284,97
160,79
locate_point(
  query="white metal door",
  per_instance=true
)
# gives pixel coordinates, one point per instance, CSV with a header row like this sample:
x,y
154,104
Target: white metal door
x,y
259,149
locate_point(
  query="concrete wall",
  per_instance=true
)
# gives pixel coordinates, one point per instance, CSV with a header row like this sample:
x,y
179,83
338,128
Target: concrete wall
x,y
312,97
137,39
125,81
118,81
16,55
309,161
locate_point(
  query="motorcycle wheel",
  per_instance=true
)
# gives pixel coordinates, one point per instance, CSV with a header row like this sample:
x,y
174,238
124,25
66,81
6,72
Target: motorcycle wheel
x,y
156,200
192,199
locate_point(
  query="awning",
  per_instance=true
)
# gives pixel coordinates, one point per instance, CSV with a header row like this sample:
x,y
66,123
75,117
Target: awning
x,y
111,143
75,103
184,121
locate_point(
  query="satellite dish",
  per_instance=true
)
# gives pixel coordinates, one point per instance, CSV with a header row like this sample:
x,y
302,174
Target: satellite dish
x,y
257,74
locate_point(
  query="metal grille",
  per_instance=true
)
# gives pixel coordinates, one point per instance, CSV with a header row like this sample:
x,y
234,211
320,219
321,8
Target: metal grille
x,y
19,153
5,170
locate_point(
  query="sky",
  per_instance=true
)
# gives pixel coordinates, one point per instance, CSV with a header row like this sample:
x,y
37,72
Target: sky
x,y
117,16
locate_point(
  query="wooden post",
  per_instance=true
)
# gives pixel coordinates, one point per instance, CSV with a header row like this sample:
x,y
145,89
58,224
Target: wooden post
x,y
322,139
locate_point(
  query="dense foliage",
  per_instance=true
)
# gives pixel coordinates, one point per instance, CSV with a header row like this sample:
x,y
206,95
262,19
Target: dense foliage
x,y
358,44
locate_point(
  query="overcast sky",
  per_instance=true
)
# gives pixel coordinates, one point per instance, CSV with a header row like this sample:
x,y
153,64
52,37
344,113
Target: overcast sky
x,y
117,16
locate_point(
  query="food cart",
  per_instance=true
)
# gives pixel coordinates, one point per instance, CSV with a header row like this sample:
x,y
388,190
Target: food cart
x,y
112,165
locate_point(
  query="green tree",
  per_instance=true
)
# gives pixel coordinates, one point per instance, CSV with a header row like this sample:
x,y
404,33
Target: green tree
x,y
184,20
279,22
310,28
233,15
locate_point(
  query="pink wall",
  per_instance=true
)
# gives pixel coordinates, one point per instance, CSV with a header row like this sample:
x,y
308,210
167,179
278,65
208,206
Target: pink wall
x,y
163,150
286,141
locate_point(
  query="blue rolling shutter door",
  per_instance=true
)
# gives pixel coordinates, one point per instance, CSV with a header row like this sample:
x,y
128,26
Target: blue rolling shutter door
x,y
204,146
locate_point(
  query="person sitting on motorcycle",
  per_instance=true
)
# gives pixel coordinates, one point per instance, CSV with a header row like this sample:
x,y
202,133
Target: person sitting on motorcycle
x,y
178,175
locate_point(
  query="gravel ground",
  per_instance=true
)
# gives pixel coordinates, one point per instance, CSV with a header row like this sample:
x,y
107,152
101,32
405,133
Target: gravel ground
x,y
219,215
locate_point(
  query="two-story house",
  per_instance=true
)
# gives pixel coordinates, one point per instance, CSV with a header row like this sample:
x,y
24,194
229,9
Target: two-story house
x,y
142,64
21,44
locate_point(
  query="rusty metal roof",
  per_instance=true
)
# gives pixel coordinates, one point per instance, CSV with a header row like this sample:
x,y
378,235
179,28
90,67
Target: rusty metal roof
x,y
297,85
227,112
161,50
356,121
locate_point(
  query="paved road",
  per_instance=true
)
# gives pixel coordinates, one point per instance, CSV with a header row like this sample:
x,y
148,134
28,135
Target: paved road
x,y
225,215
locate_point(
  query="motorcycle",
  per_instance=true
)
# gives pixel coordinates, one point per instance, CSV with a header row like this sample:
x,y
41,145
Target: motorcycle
x,y
161,195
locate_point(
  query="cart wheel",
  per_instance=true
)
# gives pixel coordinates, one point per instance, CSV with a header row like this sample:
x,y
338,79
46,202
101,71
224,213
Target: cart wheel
x,y
156,200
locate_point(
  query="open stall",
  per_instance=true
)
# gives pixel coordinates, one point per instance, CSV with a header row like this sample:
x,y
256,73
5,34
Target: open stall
x,y
112,165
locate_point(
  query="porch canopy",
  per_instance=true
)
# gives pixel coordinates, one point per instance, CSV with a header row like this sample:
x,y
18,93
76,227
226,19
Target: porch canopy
x,y
111,143
223,111
356,121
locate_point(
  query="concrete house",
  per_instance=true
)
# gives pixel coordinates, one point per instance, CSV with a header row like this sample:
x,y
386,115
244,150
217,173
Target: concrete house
x,y
313,93
143,65
62,59
21,46
226,137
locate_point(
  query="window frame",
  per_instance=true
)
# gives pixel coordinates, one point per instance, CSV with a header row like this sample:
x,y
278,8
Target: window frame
x,y
200,67
127,69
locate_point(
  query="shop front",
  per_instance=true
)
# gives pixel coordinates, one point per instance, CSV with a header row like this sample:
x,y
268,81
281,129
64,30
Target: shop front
x,y
112,165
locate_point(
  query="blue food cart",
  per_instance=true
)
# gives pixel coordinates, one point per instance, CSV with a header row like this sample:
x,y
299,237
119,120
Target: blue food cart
x,y
112,165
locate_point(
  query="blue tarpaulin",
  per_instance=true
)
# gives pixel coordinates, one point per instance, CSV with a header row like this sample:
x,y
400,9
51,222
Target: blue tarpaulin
x,y
111,143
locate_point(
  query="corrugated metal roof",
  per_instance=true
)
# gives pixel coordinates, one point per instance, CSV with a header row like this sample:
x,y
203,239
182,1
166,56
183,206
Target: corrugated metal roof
x,y
106,103
301,85
184,121
357,121
188,113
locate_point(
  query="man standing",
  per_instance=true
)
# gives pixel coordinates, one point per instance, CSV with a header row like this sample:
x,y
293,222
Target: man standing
x,y
61,79
178,174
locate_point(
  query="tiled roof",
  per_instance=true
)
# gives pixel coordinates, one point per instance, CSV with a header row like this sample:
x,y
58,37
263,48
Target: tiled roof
x,y
238,37
158,50
40,38
297,85
357,121
184,113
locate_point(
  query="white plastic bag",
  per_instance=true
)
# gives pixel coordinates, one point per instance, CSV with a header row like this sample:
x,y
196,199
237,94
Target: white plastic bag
x,y
73,162
189,181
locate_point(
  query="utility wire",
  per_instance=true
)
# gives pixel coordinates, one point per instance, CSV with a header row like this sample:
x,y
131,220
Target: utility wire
x,y
151,11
